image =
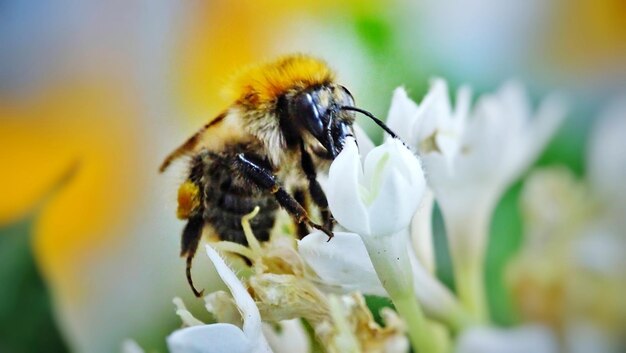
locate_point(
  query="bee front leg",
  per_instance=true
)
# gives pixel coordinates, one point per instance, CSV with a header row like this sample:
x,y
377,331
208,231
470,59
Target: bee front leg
x,y
315,189
266,180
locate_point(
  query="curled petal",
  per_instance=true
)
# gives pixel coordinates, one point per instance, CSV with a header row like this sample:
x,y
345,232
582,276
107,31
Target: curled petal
x,y
342,262
214,338
395,206
344,190
396,185
245,303
398,190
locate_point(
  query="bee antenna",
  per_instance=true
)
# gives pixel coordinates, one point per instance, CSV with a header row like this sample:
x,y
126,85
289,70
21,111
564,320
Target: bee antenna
x,y
375,119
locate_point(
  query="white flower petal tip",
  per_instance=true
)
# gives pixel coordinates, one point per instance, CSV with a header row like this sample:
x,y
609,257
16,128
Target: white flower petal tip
x,y
215,338
401,114
342,262
531,338
378,196
187,318
252,327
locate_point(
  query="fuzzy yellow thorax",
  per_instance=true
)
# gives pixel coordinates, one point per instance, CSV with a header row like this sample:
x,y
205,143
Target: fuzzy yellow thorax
x,y
262,84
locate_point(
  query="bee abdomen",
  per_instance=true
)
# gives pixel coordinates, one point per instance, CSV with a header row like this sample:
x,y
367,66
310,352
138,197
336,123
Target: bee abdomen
x,y
228,197
224,213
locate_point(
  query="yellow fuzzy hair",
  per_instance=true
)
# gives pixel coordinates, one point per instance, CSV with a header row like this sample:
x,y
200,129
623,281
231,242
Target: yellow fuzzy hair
x,y
262,84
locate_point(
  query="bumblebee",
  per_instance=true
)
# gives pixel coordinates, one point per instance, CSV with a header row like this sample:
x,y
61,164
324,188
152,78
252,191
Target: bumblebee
x,y
289,119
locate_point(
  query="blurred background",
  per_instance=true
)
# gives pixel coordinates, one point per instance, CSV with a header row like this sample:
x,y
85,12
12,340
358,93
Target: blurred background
x,y
93,94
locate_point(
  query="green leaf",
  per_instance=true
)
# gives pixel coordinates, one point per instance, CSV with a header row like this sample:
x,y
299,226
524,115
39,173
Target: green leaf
x,y
27,322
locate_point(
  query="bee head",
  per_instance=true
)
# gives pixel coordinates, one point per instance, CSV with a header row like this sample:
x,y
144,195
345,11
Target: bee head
x,y
318,111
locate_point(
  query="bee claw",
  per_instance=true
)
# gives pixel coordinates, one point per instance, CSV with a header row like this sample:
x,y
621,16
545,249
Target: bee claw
x,y
326,231
199,294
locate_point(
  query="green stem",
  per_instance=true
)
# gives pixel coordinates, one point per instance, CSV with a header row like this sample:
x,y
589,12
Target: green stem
x,y
419,333
470,286
468,236
391,262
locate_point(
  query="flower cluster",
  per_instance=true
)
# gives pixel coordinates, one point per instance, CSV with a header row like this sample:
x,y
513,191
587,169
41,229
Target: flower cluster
x,y
310,295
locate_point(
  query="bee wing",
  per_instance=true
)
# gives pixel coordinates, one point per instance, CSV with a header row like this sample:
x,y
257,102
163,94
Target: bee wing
x,y
191,144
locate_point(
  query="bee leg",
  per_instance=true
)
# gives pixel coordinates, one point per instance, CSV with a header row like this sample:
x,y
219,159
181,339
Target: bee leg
x,y
189,244
265,180
300,196
315,190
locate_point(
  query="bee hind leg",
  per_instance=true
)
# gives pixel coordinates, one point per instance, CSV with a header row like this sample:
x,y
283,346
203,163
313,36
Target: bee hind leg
x,y
265,180
189,244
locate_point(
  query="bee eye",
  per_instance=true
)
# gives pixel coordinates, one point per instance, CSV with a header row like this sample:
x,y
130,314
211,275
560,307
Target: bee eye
x,y
306,110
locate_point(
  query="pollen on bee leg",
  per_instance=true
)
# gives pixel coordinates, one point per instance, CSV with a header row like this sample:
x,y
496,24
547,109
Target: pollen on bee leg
x,y
188,199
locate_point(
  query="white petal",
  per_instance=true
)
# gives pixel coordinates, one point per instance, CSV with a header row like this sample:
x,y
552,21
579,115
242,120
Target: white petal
x,y
548,118
434,108
215,338
187,318
401,116
344,194
395,205
536,135
397,183
463,102
290,338
223,308
245,303
422,233
343,262
524,339
438,301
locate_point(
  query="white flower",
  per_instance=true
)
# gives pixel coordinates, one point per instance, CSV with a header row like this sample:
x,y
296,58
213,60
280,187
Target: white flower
x,y
433,125
377,199
470,159
523,339
221,337
380,197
